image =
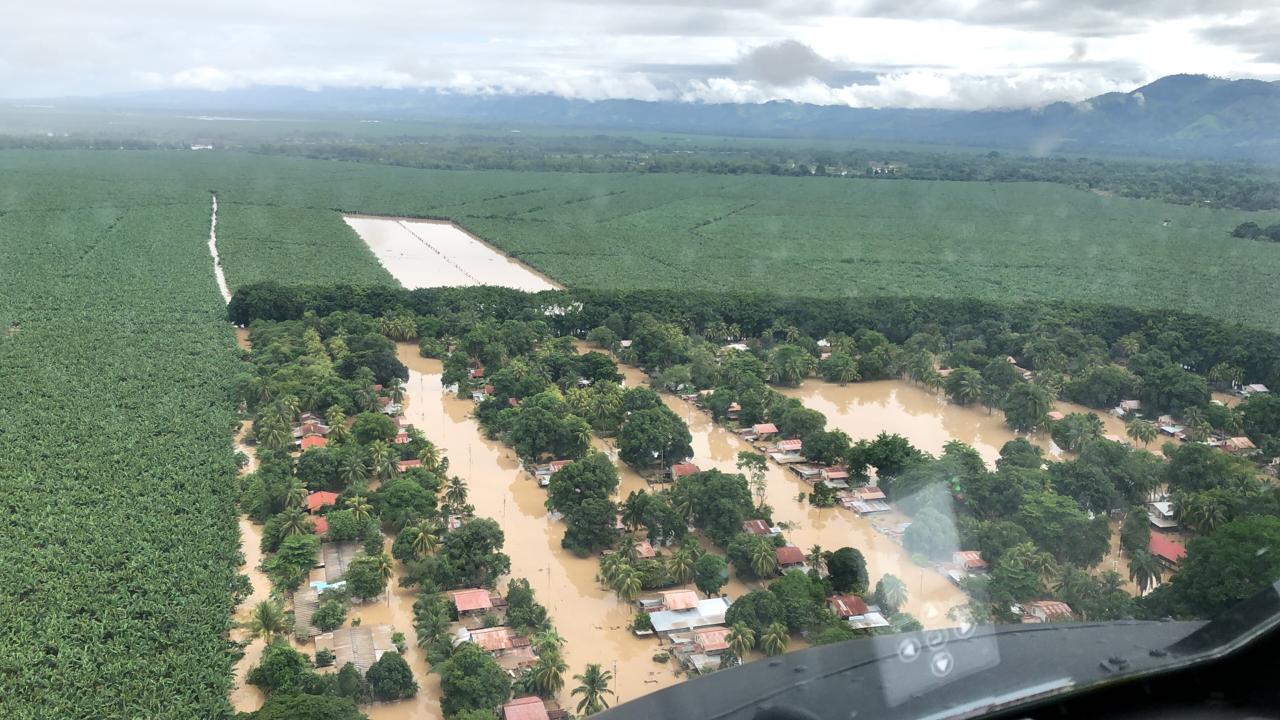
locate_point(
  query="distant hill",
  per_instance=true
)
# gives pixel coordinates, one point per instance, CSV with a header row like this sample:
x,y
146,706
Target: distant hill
x,y
1178,116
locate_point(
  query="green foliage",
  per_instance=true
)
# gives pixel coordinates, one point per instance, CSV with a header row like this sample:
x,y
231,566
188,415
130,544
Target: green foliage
x,y
847,570
757,610
1220,570
471,680
330,615
710,573
390,678
283,706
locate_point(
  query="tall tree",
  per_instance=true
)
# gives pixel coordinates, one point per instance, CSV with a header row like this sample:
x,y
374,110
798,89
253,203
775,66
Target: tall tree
x,y
593,686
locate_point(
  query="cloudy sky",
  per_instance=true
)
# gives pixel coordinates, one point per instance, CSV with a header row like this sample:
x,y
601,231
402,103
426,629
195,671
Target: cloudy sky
x,y
882,53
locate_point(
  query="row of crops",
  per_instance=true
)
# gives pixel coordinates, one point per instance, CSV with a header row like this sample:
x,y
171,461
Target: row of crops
x,y
809,236
119,545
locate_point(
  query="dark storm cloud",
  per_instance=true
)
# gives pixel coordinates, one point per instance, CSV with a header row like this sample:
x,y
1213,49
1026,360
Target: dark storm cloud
x,y
1260,38
783,64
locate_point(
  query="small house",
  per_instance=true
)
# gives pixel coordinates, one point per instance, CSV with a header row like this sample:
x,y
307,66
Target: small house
x,y
855,611
361,645
1168,552
712,640
1043,611
836,478
472,601
408,464
1254,389
764,430
739,347
495,640
789,557
759,527
321,499
313,441
1161,515
1239,446
706,612
732,412
401,438
969,560
1054,415
683,469
530,707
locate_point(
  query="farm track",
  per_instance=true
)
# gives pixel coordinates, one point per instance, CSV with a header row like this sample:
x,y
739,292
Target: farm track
x,y
213,250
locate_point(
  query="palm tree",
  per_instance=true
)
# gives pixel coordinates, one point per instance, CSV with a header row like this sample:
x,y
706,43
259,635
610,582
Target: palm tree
x,y
382,460
430,456
593,686
1227,373
430,628
291,407
385,564
764,561
628,583
395,390
426,543
296,495
273,434
547,641
816,557
548,674
337,422
354,471
295,522
1144,570
359,507
1130,344
610,566
891,592
741,639
774,639
1143,431
680,565
455,492
267,621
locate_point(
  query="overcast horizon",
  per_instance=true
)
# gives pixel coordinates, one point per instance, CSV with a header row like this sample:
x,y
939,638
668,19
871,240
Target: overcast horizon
x,y
864,53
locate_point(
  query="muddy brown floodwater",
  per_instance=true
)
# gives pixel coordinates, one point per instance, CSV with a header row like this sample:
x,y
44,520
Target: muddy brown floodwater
x,y
246,697
925,418
429,253
592,620
931,595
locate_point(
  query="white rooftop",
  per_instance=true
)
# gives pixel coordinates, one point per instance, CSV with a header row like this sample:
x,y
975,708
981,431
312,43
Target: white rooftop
x,y
708,612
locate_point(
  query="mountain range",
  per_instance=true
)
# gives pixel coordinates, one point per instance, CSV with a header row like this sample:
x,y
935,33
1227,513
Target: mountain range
x,y
1191,116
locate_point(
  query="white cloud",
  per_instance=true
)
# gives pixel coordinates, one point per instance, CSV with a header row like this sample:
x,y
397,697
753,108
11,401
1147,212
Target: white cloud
x,y
906,53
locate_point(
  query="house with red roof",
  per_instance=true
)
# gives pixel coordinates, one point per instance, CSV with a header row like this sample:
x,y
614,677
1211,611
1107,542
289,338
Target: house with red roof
x,y
1043,611
320,499
313,441
759,527
683,469
529,707
407,464
856,612
319,525
789,557
712,640
764,430
1168,552
472,601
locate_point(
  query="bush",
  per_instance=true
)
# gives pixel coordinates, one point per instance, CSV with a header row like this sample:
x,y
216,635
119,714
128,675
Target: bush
x,y
330,615
661,657
324,658
391,679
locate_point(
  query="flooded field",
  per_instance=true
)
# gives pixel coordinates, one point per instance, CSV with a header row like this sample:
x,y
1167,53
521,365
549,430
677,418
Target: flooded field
x,y
426,253
925,418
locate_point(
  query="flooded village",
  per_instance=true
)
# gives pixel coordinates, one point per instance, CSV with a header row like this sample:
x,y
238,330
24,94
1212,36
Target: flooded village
x,y
686,633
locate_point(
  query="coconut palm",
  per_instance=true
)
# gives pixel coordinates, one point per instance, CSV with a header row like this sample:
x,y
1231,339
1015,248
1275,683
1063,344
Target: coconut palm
x,y
1143,431
816,557
891,593
268,621
610,566
1144,570
431,627
741,639
354,471
430,456
395,390
628,583
548,674
1225,372
426,542
773,641
764,560
273,434
295,522
680,565
359,507
382,460
593,686
455,493
1130,344
296,495
290,406
547,640
385,565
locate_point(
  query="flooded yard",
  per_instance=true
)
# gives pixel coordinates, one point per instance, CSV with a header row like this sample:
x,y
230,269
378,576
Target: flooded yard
x,y
926,418
429,253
